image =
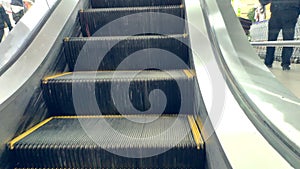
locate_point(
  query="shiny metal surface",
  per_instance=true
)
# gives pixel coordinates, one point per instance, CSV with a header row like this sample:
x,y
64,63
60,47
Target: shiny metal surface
x,y
286,43
272,108
242,144
22,79
21,35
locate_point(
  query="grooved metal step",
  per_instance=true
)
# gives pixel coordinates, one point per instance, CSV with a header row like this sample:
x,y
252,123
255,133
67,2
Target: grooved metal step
x,y
111,142
127,53
121,92
132,3
132,21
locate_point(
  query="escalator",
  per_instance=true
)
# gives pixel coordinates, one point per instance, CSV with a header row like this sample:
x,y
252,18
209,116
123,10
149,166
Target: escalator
x,y
108,110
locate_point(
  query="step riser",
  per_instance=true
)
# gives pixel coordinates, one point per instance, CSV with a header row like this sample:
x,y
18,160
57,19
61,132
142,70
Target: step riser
x,y
132,3
134,54
58,157
60,97
132,22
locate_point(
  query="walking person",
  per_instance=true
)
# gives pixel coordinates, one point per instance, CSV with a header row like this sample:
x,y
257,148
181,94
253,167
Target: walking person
x,y
284,16
4,19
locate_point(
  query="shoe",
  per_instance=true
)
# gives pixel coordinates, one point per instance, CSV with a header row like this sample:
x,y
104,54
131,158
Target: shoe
x,y
286,68
269,66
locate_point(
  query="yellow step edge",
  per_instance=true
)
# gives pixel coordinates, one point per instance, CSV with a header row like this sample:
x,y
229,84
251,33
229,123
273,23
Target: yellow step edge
x,y
195,130
188,73
55,76
196,133
113,116
23,135
199,122
185,35
193,72
66,39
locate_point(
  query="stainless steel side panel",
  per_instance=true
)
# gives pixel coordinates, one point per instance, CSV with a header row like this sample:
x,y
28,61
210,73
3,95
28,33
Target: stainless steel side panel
x,y
22,79
256,122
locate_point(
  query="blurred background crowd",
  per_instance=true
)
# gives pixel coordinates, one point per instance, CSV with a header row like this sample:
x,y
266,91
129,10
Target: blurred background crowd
x,y
15,9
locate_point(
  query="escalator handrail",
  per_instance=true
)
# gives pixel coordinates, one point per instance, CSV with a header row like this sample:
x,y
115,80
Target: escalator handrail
x,y
231,139
24,32
285,43
270,106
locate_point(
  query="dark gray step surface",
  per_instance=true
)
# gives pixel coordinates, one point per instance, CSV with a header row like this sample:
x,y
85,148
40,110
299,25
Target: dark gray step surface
x,y
132,21
132,3
127,53
111,142
121,92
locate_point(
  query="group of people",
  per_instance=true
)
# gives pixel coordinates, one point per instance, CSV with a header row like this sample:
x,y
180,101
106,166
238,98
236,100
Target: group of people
x,y
17,8
284,16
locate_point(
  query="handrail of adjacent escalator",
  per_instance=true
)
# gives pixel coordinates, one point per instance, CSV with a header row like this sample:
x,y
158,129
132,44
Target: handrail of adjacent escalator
x,y
285,43
23,33
271,107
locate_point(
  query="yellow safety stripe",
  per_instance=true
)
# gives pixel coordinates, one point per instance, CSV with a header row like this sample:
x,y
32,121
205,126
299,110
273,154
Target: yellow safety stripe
x,y
185,35
20,137
55,76
113,116
199,122
188,73
196,133
66,39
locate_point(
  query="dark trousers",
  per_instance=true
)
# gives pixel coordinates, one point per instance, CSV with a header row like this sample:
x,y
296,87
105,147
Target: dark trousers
x,y
1,34
284,20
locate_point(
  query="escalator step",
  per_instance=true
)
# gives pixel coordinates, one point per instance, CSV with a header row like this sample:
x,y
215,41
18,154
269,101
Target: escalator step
x,y
111,142
134,52
132,3
121,92
132,21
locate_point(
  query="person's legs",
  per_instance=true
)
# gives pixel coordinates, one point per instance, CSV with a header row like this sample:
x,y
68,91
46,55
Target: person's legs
x,y
288,32
1,34
273,31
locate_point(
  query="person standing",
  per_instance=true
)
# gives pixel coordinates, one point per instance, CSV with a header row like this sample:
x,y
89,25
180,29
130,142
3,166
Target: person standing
x,y
3,19
284,16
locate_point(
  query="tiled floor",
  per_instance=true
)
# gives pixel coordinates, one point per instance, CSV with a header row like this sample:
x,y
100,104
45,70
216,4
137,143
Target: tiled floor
x,y
290,79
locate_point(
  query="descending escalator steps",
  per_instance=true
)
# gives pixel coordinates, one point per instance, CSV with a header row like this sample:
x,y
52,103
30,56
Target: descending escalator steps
x,y
132,20
134,52
121,92
132,3
86,142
